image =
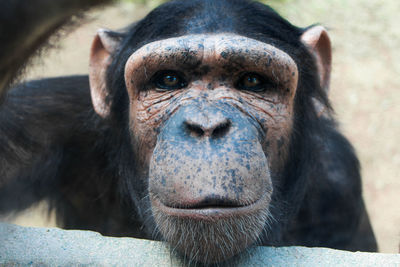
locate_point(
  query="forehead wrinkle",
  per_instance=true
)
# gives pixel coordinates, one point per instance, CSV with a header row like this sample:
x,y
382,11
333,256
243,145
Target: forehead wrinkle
x,y
178,51
199,49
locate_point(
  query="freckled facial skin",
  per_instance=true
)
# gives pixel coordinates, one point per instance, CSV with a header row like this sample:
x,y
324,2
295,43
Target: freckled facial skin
x,y
212,144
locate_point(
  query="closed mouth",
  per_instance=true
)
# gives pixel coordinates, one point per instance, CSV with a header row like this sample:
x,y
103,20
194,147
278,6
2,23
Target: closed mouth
x,y
205,212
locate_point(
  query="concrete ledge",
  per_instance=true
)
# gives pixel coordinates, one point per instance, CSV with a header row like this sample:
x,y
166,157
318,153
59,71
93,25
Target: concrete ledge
x,y
27,246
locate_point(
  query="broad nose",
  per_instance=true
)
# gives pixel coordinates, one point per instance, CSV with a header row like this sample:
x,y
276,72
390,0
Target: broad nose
x,y
214,126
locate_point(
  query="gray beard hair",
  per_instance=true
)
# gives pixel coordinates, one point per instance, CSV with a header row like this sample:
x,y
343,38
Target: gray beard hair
x,y
211,241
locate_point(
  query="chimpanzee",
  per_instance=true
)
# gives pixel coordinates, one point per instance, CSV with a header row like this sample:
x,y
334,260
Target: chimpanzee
x,y
206,124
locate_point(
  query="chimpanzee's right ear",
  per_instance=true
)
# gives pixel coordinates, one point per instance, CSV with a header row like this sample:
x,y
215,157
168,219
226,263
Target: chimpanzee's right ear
x,y
318,42
104,45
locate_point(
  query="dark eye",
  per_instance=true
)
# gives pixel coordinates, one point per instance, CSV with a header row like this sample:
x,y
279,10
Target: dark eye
x,y
252,82
169,80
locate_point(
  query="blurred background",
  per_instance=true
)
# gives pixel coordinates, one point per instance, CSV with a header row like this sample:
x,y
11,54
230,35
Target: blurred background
x,y
365,88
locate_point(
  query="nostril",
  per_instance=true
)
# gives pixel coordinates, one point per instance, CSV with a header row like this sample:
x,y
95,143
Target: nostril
x,y
194,129
221,129
215,130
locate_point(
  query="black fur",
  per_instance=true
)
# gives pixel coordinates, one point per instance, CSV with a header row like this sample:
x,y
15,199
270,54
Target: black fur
x,y
53,145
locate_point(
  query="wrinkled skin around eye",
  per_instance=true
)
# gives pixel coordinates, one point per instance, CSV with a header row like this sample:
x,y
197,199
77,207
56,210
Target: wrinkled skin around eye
x,y
169,80
254,82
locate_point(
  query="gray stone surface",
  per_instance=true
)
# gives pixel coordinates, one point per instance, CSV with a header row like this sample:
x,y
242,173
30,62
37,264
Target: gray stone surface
x,y
26,246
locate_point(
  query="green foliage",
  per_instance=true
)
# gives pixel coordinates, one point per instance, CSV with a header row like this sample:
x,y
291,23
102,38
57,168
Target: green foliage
x,y
158,2
152,3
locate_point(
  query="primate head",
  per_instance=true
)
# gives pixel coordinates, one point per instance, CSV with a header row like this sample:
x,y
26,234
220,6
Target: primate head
x,y
217,100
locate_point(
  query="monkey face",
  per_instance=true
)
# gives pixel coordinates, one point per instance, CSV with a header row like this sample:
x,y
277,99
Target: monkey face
x,y
213,115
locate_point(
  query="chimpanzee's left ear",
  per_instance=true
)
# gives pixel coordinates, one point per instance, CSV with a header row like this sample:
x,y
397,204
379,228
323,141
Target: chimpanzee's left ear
x,y
103,47
317,40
